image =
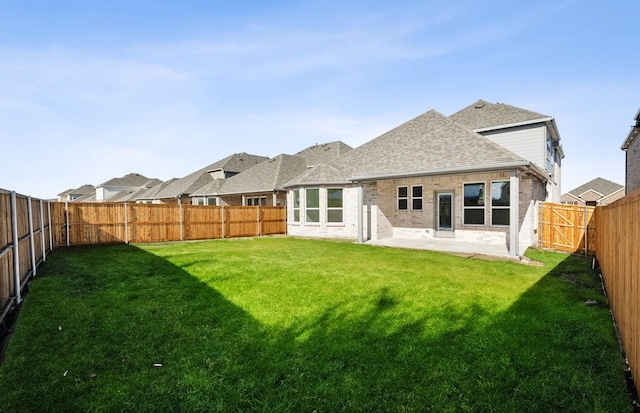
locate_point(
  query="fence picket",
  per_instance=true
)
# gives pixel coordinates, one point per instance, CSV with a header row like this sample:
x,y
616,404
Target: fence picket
x,y
570,228
616,248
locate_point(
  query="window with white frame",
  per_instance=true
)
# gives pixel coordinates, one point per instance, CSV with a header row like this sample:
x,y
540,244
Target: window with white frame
x,y
212,200
500,203
334,205
416,198
312,205
296,205
474,211
198,201
403,198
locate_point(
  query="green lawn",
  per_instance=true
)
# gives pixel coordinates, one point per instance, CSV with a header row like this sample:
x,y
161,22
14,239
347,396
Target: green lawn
x,y
280,324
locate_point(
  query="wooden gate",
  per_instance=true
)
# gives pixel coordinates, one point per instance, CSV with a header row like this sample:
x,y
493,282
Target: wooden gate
x,y
570,228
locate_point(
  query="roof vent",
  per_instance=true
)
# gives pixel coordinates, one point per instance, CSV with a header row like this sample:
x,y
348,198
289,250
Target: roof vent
x,y
479,105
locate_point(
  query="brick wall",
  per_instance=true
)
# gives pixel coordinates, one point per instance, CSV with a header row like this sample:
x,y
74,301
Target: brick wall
x,y
633,166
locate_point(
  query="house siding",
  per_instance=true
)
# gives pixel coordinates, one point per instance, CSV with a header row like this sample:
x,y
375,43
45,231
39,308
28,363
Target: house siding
x,y
528,141
633,166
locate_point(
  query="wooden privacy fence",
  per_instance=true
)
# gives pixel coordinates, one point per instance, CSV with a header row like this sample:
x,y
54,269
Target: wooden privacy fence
x,y
108,223
570,228
618,253
25,240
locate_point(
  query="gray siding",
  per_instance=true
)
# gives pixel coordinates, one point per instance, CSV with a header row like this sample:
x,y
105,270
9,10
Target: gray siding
x,y
528,141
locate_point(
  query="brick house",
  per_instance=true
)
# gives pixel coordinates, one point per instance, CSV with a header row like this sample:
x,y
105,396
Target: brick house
x,y
467,177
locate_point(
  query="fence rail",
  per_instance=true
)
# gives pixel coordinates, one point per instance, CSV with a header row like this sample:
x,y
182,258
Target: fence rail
x,y
570,228
108,223
617,238
25,240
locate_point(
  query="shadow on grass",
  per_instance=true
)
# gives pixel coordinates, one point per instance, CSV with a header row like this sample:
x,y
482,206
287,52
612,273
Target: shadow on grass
x,y
93,338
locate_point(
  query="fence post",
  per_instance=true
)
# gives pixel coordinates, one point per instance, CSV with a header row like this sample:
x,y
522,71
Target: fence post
x,y
258,219
126,225
223,216
180,220
66,216
50,226
586,230
32,245
44,245
16,252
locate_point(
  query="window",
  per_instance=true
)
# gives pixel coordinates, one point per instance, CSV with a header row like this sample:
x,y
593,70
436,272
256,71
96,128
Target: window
x,y
416,198
198,201
296,205
403,198
334,205
249,201
312,210
500,202
551,154
474,204
263,201
212,200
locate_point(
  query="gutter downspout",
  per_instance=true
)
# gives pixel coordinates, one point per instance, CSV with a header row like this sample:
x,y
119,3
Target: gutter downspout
x,y
360,214
514,219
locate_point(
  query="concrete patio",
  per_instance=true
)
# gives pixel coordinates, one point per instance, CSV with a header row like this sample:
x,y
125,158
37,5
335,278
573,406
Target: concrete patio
x,y
466,249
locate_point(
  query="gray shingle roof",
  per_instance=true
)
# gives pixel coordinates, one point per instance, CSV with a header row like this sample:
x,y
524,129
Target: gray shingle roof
x,y
325,152
125,196
86,198
152,192
84,190
67,192
482,114
320,174
131,180
600,185
430,142
235,163
268,176
212,188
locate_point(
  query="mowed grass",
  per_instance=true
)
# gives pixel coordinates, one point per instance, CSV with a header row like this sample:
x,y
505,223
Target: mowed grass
x,y
280,324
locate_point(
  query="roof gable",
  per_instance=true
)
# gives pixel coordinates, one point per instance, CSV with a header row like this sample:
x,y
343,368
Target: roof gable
x,y
320,174
129,180
428,142
486,115
325,152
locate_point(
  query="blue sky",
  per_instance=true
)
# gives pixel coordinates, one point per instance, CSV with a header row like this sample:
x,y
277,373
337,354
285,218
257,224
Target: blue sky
x,y
91,90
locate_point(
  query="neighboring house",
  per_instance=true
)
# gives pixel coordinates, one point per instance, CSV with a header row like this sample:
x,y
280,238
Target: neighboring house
x,y
597,192
75,194
531,135
263,183
149,195
436,176
182,190
87,198
631,147
129,183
